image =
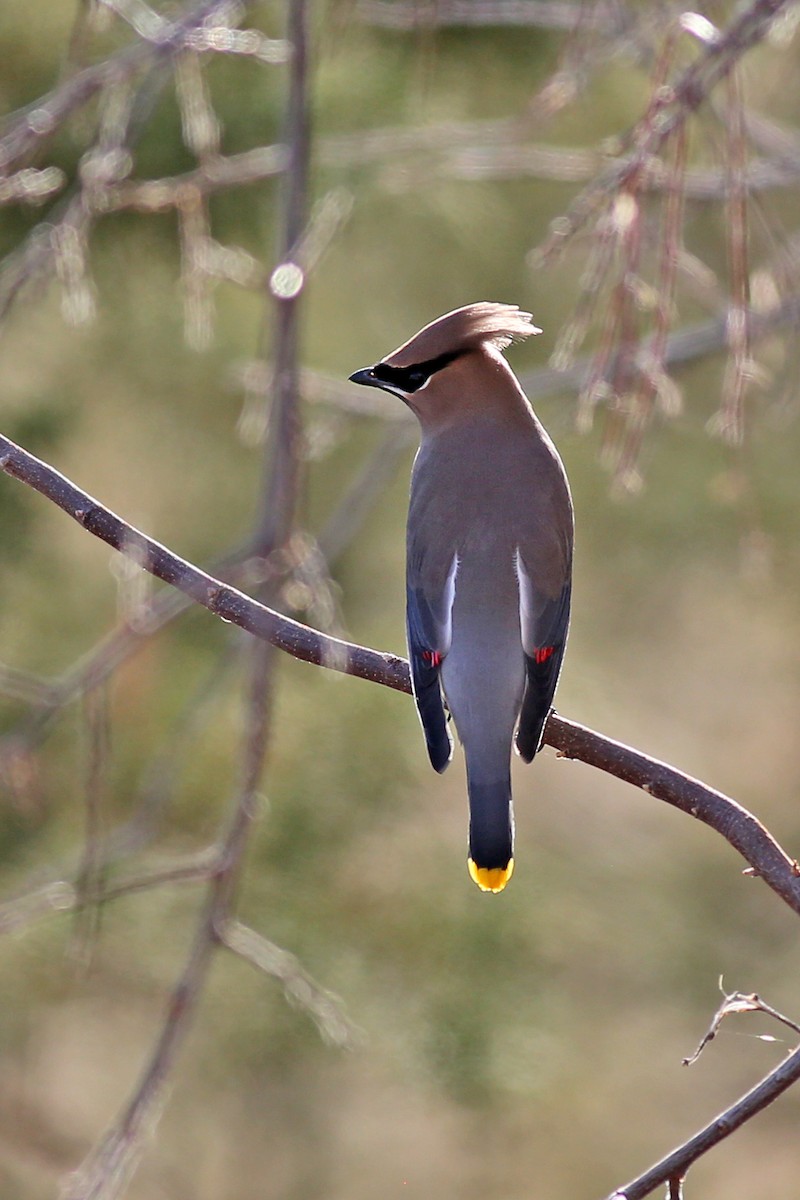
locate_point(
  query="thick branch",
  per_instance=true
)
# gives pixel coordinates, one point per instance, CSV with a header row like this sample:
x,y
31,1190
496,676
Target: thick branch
x,y
734,823
224,601
738,826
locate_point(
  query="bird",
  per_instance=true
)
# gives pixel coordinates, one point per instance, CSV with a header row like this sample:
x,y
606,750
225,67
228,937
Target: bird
x,y
489,551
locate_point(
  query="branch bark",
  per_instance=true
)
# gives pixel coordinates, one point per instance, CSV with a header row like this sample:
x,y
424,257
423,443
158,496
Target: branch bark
x,y
733,822
675,1165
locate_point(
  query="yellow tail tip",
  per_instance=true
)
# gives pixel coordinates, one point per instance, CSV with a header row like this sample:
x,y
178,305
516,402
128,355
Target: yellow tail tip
x,y
491,879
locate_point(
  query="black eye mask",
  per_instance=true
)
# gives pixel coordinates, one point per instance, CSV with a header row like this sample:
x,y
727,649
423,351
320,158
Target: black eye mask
x,y
411,379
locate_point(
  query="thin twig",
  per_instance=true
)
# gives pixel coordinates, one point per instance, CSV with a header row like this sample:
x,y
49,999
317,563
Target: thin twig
x,y
358,502
32,689
718,59
733,1004
730,424
24,130
63,895
105,1172
62,239
685,346
568,165
492,150
301,990
541,14
90,871
675,1165
738,826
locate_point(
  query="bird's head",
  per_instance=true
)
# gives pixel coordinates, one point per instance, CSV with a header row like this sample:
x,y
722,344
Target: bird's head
x,y
443,365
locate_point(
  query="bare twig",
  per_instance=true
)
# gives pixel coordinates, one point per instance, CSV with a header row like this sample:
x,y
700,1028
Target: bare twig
x,y
739,827
90,871
62,240
735,1003
22,685
325,1009
688,344
654,383
717,60
369,483
222,599
468,150
220,172
730,422
105,1172
63,895
564,165
24,130
677,1163
542,14
48,697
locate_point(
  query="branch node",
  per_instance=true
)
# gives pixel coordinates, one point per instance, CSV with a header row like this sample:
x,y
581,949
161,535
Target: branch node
x,y
87,515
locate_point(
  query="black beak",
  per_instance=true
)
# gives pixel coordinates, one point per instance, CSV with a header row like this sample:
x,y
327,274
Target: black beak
x,y
365,376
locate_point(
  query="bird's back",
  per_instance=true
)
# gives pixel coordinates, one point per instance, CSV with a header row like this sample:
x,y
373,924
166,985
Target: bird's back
x,y
474,490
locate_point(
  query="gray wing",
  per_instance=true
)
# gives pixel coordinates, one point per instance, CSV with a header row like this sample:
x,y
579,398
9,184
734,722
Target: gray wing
x,y
544,622
429,605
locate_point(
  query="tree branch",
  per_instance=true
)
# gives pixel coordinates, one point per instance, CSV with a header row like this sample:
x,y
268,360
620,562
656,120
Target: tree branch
x,y
675,1165
542,14
22,131
690,343
63,895
300,989
680,100
739,827
104,1173
223,600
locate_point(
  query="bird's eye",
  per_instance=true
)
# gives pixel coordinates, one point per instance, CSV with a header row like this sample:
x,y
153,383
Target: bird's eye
x,y
411,379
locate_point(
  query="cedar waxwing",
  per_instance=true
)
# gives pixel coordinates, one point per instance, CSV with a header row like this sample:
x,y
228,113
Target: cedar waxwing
x,y
489,560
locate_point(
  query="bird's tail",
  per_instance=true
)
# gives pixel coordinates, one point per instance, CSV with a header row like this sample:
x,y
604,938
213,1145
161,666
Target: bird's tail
x,y
491,832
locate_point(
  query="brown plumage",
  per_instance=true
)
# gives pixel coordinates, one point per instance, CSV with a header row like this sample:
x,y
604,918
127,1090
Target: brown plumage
x,y
465,329
489,558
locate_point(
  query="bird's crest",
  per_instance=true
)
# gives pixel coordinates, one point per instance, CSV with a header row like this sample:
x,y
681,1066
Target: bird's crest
x,y
465,329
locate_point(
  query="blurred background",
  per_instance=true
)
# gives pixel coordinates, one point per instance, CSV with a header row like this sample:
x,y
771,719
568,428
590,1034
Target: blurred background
x,y
528,1044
